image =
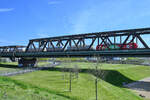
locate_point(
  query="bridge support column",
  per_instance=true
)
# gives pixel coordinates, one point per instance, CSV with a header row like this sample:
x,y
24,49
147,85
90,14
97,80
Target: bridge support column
x,y
27,62
13,59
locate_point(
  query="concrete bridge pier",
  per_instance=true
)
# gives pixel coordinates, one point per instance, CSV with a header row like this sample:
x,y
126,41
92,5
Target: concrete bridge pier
x,y
27,62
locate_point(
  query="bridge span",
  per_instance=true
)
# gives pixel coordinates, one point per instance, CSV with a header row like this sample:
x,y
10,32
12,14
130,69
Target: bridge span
x,y
120,43
106,53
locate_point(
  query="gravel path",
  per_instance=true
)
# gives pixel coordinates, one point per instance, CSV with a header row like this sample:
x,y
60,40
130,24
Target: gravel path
x,y
142,87
27,70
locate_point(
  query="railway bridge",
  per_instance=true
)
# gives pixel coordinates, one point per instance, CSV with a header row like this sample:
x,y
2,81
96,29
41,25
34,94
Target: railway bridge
x,y
120,43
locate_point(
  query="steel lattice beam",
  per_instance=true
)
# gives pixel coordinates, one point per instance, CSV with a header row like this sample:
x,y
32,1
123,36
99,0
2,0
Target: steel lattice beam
x,y
105,38
62,45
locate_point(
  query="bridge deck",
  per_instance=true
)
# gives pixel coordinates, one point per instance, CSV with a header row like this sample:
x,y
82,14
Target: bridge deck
x,y
115,53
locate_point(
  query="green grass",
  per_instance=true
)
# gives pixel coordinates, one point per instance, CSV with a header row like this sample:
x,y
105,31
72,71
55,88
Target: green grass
x,y
82,89
109,88
14,90
43,59
71,59
14,65
134,72
42,63
8,67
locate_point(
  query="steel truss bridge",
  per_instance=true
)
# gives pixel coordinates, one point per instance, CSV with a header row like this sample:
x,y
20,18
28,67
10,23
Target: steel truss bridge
x,y
61,46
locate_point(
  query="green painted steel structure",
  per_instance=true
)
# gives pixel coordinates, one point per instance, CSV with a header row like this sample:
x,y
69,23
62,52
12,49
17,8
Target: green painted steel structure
x,y
62,46
115,53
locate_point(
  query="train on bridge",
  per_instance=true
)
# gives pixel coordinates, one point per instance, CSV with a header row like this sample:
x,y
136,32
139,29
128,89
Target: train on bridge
x,y
122,43
74,48
117,46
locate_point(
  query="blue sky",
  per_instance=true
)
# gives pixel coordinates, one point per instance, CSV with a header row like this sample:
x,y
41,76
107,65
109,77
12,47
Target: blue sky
x,y
21,20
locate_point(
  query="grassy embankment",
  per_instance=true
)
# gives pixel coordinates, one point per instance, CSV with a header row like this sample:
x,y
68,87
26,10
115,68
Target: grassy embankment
x,y
14,90
6,67
83,88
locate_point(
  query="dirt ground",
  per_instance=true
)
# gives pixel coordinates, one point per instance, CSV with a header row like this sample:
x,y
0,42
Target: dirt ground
x,y
142,87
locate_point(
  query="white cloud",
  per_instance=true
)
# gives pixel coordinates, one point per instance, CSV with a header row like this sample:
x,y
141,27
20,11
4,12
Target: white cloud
x,y
53,2
6,9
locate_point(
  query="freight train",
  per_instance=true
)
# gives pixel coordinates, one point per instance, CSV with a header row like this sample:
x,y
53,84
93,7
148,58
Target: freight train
x,y
100,47
116,46
80,48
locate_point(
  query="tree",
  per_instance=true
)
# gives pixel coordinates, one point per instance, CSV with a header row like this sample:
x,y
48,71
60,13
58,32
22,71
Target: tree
x,y
72,73
98,73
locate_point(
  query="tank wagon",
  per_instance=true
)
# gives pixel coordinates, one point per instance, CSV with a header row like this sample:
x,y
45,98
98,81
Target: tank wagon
x,y
117,46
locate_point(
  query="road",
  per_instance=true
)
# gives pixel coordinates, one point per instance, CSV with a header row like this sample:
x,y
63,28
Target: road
x,y
31,69
142,87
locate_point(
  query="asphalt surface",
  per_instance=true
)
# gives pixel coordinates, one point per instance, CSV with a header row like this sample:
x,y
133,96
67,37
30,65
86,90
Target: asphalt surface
x,y
142,87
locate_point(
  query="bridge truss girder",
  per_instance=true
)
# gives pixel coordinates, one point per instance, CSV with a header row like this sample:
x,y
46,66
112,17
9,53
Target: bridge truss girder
x,y
91,40
14,48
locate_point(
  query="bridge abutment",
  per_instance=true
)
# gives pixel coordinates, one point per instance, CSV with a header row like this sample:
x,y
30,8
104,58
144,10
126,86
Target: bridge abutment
x,y
27,62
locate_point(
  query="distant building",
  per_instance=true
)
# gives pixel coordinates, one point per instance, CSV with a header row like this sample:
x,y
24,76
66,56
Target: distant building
x,y
91,58
5,60
116,58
